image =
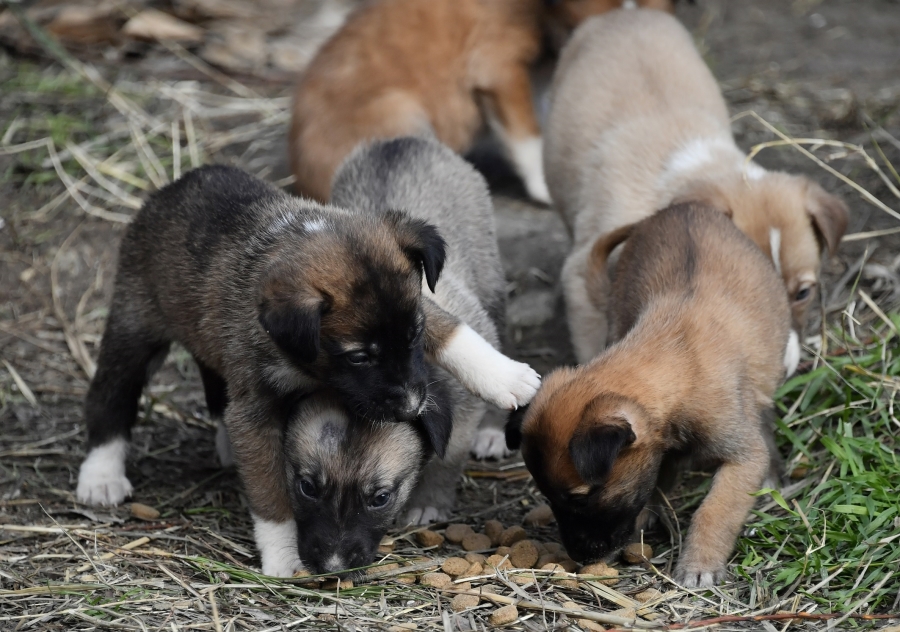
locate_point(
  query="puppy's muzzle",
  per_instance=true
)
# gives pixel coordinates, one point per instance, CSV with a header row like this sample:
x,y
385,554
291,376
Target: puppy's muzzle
x,y
406,403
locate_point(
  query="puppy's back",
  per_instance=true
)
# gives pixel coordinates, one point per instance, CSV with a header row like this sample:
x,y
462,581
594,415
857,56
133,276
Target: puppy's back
x,y
429,181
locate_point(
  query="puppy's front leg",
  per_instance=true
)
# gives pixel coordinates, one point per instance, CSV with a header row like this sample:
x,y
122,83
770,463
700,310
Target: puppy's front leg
x,y
255,431
471,359
515,123
720,517
588,325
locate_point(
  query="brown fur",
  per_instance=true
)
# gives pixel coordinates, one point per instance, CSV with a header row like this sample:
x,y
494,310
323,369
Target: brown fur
x,y
637,122
698,331
408,67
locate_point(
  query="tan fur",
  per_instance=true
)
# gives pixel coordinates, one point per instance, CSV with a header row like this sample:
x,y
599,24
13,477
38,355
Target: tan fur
x,y
698,333
435,67
637,122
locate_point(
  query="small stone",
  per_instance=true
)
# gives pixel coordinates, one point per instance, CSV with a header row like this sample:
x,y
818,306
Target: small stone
x,y
500,562
335,584
474,570
635,553
429,538
435,580
540,516
512,535
600,569
144,512
456,532
553,547
504,615
463,602
543,560
523,554
493,529
503,550
570,565
647,595
454,566
472,558
476,542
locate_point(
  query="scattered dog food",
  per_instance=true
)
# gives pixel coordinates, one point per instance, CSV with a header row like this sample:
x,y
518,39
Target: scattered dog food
x,y
635,553
476,542
456,532
540,516
512,535
429,538
144,512
506,614
463,602
493,529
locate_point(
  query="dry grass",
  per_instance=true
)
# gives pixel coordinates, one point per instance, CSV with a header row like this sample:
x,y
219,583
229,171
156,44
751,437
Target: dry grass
x,y
69,567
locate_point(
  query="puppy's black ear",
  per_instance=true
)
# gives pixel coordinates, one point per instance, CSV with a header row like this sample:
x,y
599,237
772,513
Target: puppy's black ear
x,y
421,242
595,448
514,428
437,418
294,328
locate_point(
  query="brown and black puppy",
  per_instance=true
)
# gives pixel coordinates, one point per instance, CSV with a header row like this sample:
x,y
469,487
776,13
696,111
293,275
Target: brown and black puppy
x,y
275,296
441,68
699,321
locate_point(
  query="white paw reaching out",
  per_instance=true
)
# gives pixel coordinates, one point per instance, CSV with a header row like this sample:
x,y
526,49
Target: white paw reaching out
x,y
277,544
490,443
486,372
698,576
101,479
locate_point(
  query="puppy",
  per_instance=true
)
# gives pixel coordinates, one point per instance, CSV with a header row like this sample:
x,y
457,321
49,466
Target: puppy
x,y
275,296
698,322
436,186
440,68
636,123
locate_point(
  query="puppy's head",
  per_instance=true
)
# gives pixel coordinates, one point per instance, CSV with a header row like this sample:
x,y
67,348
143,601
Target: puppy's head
x,y
789,217
592,458
349,477
341,298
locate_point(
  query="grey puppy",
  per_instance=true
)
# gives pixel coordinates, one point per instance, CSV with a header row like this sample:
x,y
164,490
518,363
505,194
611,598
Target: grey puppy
x,y
342,511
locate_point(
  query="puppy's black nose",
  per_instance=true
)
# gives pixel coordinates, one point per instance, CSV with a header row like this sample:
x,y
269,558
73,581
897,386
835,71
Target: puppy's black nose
x,y
406,405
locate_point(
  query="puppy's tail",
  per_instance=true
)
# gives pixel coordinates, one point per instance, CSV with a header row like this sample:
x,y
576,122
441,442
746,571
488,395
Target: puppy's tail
x,y
596,275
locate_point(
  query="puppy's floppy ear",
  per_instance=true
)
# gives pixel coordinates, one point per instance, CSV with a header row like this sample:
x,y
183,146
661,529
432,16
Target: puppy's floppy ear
x,y
597,442
437,418
829,215
513,429
290,318
421,242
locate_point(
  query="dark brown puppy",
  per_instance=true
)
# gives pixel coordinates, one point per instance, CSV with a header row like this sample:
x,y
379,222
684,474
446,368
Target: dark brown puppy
x,y
441,68
699,320
275,296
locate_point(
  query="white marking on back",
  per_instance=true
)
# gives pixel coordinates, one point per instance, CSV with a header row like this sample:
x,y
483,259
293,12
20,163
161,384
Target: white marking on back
x,y
101,479
277,544
753,171
629,4
792,354
486,372
315,225
775,244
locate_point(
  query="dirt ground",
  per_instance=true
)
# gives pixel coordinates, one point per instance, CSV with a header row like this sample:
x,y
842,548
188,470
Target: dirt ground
x,y
825,69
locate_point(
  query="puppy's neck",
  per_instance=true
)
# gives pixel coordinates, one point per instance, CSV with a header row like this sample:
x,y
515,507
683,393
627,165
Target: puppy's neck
x,y
704,159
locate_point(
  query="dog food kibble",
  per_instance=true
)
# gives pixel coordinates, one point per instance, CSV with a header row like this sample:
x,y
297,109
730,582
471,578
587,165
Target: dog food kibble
x,y
144,512
569,564
456,532
474,570
587,624
506,614
600,569
471,558
493,529
334,584
383,568
512,535
523,554
540,516
635,553
402,627
405,579
646,595
436,580
502,550
500,562
460,587
429,538
386,545
553,547
463,602
454,566
476,542
559,576
548,558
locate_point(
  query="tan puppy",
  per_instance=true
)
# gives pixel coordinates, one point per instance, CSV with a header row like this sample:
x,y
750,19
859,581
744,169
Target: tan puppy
x,y
438,68
699,324
637,122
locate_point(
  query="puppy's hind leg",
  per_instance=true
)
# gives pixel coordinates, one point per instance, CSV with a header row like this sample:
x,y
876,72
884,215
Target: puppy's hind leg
x,y
216,392
128,357
490,440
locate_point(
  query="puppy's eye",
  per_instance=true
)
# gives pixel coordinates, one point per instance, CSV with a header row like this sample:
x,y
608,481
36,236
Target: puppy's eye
x,y
803,293
380,499
357,358
308,489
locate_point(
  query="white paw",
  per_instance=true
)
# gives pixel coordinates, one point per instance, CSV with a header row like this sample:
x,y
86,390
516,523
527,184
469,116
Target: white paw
x,y
486,372
277,544
425,515
791,354
696,576
101,479
490,443
223,446
527,155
